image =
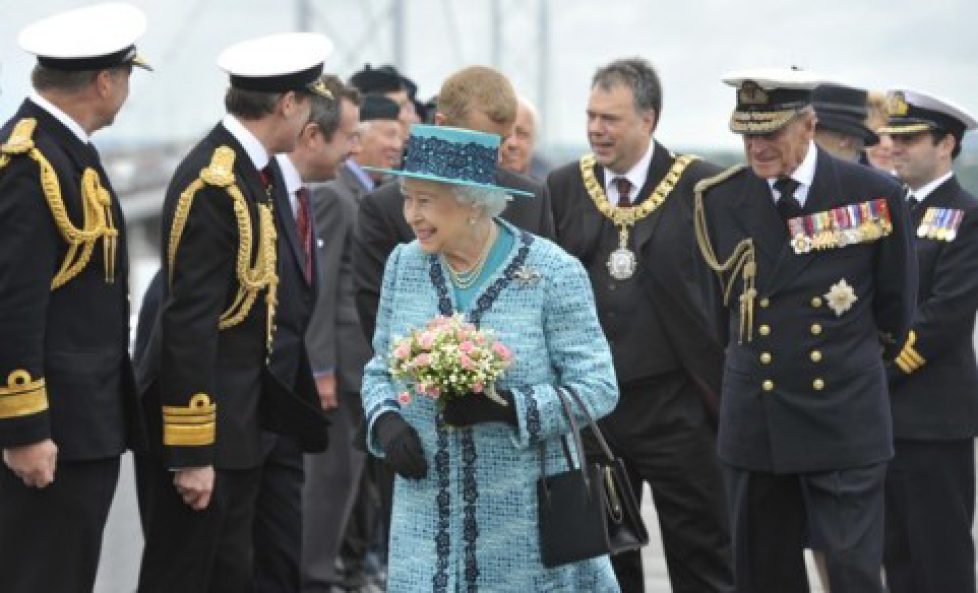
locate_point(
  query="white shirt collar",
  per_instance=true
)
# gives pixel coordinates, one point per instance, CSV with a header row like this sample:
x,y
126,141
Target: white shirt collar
x,y
61,116
928,188
804,175
252,146
293,181
636,176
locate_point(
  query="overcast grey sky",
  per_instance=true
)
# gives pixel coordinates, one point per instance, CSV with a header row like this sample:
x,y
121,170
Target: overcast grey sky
x,y
927,44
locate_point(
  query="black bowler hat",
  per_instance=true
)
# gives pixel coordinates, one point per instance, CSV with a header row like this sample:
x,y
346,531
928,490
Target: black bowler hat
x,y
378,107
912,112
377,80
843,109
768,98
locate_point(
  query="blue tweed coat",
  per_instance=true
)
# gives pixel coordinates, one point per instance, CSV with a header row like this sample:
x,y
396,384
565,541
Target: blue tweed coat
x,y
471,524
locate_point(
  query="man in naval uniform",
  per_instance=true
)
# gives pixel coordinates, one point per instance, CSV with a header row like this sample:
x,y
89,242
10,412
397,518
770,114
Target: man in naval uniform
x,y
210,380
626,212
814,277
930,483
67,398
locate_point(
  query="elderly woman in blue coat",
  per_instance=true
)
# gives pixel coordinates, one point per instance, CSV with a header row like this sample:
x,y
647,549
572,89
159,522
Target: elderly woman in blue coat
x,y
465,506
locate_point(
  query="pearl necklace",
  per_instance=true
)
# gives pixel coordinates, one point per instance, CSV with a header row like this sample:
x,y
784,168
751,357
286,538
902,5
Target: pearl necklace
x,y
466,278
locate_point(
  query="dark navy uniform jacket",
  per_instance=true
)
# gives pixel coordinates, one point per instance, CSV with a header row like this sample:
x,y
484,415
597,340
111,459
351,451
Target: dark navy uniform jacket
x,y
809,392
65,372
938,400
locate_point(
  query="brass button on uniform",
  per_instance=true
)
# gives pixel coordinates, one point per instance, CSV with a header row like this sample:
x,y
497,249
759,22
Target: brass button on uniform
x,y
764,330
816,356
767,385
765,303
816,329
818,384
766,357
816,302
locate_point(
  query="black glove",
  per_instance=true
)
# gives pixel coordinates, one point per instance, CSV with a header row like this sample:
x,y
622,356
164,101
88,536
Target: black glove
x,y
401,445
474,408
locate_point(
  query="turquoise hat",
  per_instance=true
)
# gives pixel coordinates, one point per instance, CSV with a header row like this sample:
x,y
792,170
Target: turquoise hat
x,y
451,155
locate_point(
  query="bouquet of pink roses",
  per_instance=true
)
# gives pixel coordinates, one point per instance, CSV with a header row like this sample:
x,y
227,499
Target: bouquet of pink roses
x,y
449,358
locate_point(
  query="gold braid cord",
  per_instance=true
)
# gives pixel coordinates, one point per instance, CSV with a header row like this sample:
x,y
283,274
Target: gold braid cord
x,y
96,208
624,218
741,260
253,276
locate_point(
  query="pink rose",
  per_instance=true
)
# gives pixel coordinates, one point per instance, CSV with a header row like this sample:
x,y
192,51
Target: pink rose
x,y
427,340
404,398
434,392
478,387
467,346
502,351
465,361
402,351
421,360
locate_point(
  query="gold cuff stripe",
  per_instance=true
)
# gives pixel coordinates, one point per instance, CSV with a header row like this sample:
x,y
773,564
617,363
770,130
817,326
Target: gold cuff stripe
x,y
22,396
903,366
191,426
909,360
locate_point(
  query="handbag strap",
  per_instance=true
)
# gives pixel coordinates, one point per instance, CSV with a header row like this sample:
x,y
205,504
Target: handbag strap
x,y
578,443
594,425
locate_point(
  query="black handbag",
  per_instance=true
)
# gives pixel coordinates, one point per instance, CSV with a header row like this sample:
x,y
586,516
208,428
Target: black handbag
x,y
590,510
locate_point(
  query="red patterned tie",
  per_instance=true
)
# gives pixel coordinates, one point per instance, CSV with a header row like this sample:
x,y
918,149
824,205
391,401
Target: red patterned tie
x,y
624,191
304,228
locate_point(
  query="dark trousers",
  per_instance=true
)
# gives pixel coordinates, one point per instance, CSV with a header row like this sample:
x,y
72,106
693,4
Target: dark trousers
x,y
774,517
277,531
930,506
661,432
331,488
51,538
208,551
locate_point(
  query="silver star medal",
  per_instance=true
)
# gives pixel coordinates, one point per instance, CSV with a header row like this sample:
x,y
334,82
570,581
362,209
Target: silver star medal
x,y
840,297
622,264
526,276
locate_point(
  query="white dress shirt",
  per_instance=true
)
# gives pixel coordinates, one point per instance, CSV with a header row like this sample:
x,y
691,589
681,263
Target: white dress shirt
x,y
636,176
293,181
61,116
804,175
252,146
928,188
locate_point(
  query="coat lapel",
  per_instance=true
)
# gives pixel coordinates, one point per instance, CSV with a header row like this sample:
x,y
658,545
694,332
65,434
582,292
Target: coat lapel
x,y
662,161
285,218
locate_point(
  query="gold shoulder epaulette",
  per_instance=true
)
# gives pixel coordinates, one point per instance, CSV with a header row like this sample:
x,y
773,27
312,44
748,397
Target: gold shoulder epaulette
x,y
253,276
220,172
704,184
193,425
97,220
741,260
21,139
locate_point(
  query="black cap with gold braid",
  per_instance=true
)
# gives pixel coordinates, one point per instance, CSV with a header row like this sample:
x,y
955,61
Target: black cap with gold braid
x,y
768,98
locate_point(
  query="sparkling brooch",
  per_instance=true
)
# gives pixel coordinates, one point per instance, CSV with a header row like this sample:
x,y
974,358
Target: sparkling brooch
x,y
840,297
526,276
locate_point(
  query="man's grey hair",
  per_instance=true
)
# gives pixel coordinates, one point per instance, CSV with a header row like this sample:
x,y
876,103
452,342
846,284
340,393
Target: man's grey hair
x,y
637,74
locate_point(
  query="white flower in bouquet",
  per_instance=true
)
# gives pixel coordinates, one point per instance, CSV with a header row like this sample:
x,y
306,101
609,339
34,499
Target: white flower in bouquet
x,y
448,358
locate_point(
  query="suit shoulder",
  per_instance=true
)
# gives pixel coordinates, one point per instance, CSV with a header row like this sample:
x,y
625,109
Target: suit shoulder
x,y
518,181
865,177
702,169
565,173
725,179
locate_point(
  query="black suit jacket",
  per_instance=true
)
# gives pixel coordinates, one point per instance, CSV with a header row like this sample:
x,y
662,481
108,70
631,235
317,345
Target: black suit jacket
x,y
74,338
665,247
939,400
187,354
808,393
381,227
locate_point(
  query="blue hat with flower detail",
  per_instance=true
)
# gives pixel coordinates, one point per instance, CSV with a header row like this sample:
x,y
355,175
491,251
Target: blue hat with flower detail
x,y
453,156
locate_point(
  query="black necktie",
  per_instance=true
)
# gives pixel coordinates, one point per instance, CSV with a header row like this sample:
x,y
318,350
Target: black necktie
x,y
788,206
624,191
